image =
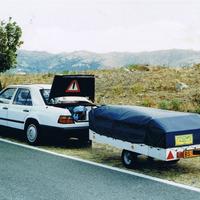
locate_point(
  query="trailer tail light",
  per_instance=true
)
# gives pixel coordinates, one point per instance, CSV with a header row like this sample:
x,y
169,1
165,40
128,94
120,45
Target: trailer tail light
x,y
170,156
65,120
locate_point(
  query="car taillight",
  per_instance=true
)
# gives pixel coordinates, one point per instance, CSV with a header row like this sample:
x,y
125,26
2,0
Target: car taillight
x,y
65,120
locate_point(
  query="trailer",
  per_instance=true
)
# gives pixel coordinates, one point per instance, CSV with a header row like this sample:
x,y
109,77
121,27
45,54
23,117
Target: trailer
x,y
158,134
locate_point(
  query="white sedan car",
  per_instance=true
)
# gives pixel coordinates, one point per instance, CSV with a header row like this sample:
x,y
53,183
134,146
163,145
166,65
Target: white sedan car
x,y
27,107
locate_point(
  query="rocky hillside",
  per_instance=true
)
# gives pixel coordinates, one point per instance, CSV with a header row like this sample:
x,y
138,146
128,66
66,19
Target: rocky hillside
x,y
161,87
33,61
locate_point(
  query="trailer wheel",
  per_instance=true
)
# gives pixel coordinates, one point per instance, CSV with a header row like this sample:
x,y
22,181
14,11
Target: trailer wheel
x,y
150,159
172,162
129,158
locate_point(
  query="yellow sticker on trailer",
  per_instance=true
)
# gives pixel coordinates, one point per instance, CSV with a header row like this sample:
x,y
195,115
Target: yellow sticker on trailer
x,y
183,139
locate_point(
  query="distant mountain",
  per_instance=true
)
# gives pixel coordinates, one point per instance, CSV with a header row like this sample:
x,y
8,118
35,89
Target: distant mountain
x,y
36,61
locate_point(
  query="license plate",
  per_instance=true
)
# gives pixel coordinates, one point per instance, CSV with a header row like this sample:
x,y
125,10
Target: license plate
x,y
183,139
189,154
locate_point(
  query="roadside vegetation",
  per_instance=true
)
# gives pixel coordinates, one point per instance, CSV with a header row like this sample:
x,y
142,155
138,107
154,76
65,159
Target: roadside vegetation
x,y
135,85
10,41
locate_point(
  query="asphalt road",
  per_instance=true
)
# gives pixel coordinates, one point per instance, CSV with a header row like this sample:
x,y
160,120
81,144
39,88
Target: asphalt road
x,y
27,174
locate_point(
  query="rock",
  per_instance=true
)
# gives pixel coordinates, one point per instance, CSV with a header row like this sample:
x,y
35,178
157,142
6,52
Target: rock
x,y
181,86
126,69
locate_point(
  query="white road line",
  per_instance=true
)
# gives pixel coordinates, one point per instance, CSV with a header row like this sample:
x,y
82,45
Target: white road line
x,y
105,166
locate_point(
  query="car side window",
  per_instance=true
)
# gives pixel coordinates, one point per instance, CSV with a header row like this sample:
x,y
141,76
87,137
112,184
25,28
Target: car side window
x,y
7,95
23,97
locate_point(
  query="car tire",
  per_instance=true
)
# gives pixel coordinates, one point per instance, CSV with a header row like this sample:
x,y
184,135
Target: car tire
x,y
150,159
129,159
84,138
32,133
85,142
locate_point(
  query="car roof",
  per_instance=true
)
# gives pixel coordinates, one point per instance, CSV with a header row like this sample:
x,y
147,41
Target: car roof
x,y
39,86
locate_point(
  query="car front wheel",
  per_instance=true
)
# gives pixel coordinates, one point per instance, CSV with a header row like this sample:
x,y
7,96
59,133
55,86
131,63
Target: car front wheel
x,y
32,133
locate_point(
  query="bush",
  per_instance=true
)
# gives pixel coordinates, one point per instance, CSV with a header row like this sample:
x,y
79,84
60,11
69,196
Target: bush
x,y
196,96
165,104
197,110
148,103
137,88
138,68
1,86
118,90
66,72
175,104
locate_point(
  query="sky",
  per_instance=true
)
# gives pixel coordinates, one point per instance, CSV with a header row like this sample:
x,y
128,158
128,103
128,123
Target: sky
x,y
105,25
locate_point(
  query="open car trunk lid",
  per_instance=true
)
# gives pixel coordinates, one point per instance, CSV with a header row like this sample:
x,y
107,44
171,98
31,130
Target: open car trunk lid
x,y
75,93
73,85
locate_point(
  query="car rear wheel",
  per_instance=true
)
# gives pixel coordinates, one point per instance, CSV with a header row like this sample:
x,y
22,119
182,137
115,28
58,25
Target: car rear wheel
x,y
84,138
32,133
85,141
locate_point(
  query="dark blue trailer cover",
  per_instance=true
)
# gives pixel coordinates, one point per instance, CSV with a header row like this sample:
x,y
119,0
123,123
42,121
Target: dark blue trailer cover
x,y
149,126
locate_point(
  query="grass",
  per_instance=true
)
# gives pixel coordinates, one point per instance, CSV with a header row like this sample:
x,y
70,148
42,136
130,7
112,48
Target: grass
x,y
135,85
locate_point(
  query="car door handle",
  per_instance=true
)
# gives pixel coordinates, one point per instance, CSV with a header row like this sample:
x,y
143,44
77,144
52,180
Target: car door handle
x,y
25,110
5,108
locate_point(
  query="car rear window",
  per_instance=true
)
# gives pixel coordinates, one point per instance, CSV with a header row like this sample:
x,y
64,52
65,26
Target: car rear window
x,y
45,95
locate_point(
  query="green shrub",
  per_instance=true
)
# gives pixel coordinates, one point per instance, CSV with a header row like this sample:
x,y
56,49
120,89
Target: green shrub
x,y
175,104
65,72
137,88
1,86
138,68
196,96
197,110
147,103
164,104
118,90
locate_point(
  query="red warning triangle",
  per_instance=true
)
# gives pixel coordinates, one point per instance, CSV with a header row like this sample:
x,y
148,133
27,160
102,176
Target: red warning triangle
x,y
170,156
73,87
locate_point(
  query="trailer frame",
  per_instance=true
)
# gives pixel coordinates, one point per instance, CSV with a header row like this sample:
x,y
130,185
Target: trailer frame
x,y
168,154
